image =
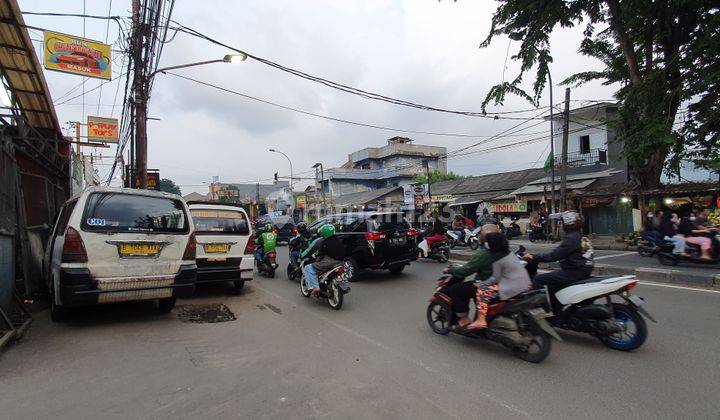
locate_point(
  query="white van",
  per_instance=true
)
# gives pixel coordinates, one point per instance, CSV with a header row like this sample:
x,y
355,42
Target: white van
x,y
225,244
116,245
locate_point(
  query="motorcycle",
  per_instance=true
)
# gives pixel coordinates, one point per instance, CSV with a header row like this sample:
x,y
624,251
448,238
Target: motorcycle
x,y
647,248
519,323
268,264
296,245
538,233
469,238
334,285
439,251
666,257
513,231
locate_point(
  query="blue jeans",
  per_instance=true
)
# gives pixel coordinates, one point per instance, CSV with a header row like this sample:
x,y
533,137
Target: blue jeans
x,y
311,277
294,256
259,254
652,236
679,243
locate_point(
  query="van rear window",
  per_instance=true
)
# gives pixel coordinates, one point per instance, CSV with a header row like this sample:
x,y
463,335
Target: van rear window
x,y
220,222
120,212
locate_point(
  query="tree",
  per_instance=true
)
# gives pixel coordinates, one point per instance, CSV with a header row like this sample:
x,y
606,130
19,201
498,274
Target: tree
x,y
436,176
653,49
169,186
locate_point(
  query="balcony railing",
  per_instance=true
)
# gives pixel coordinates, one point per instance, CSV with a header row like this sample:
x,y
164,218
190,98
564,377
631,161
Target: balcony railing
x,y
592,157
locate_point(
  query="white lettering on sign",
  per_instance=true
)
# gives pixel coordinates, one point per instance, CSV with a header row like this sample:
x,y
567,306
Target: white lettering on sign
x,y
95,222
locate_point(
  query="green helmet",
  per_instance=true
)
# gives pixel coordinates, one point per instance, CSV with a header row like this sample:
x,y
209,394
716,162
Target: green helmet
x,y
268,227
327,230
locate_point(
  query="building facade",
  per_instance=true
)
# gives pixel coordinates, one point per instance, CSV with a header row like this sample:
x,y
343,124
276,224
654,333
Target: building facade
x,y
393,165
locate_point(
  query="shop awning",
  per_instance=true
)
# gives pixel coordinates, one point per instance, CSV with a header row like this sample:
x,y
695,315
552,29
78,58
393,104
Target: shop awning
x,y
474,198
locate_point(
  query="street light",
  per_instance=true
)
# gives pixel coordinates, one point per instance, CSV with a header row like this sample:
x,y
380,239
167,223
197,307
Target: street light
x,y
518,36
141,98
292,191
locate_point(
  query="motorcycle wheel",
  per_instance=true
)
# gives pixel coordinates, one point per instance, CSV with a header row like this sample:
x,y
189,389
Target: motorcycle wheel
x,y
667,259
439,318
474,244
290,272
270,272
335,296
635,332
645,249
304,289
350,267
444,255
538,350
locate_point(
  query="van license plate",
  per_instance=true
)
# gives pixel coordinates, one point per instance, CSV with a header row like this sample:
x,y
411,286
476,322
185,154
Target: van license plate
x,y
138,250
216,248
398,241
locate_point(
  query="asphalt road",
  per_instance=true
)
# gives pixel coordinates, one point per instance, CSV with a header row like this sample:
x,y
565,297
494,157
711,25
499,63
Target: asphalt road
x,y
289,357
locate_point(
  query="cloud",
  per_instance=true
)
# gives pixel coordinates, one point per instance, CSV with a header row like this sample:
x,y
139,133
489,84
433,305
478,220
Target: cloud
x,y
425,52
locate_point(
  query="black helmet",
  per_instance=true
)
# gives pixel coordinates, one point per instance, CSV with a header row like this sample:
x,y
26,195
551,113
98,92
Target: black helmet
x,y
301,227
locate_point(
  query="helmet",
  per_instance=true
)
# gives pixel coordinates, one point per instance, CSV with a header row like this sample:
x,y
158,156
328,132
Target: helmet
x,y
571,219
327,230
301,227
488,229
267,227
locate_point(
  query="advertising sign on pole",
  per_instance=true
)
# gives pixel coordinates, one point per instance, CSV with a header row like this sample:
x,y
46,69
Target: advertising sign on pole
x,y
104,130
71,54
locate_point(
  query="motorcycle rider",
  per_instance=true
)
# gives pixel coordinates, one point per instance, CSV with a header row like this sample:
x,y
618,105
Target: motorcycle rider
x,y
436,233
458,226
331,253
298,243
575,254
462,291
265,242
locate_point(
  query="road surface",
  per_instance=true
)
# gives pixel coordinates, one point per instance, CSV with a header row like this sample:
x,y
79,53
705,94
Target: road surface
x,y
289,357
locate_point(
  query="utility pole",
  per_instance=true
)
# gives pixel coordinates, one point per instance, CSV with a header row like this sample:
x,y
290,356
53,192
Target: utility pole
x,y
427,173
140,84
563,173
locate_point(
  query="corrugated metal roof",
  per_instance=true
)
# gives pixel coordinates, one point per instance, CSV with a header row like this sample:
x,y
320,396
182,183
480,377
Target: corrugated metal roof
x,y
22,70
538,188
496,183
363,197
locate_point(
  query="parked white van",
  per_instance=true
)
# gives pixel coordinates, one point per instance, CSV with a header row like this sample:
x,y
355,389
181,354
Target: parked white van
x,y
225,245
116,245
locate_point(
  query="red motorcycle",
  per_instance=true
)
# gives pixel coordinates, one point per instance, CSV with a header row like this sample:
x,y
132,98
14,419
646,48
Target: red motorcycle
x,y
518,323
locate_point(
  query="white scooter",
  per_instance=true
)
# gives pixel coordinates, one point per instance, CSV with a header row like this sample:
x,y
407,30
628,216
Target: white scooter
x,y
469,238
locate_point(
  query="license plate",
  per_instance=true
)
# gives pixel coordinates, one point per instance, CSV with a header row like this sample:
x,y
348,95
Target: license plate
x,y
216,248
138,250
397,241
636,300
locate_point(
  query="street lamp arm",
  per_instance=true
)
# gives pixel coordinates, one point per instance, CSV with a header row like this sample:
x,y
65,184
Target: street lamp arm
x,y
182,66
290,162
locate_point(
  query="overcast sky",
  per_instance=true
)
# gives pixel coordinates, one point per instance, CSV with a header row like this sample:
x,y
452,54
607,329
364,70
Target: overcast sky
x,y
423,51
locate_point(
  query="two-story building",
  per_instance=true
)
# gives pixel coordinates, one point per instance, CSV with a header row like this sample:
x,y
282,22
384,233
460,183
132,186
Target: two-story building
x,y
395,164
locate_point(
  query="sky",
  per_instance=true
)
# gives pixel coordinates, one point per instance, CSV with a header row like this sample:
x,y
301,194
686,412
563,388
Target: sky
x,y
424,51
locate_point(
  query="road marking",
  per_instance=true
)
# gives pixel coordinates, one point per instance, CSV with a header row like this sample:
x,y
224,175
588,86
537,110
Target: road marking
x,y
615,255
674,286
419,363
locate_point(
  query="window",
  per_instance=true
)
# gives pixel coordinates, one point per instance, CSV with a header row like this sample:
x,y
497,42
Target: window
x,y
584,144
120,212
220,222
365,166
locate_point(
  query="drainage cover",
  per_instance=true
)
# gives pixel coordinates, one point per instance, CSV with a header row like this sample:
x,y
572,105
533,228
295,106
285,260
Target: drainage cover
x,y
205,313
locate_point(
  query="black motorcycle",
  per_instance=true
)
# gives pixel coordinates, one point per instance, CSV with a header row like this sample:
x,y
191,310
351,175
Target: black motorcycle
x,y
268,264
296,245
694,254
518,323
334,285
539,233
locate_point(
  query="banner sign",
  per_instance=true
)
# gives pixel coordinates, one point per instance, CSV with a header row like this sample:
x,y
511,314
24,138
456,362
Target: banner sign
x,y
509,207
104,130
300,202
442,198
132,180
71,54
592,202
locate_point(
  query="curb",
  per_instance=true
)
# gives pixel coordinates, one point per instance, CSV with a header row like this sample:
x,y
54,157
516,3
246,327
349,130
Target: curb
x,y
657,275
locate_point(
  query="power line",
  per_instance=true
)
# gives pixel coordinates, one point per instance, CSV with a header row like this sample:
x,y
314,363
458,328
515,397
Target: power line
x,y
346,88
313,114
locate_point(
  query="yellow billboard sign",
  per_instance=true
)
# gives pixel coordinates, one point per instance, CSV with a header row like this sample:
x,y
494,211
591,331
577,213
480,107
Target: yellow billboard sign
x,y
101,129
71,54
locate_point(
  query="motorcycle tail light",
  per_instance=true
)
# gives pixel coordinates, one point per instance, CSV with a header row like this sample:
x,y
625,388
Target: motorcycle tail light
x,y
272,254
412,232
630,286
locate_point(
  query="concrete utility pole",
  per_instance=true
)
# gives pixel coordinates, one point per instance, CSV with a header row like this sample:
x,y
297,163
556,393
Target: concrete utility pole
x,y
563,173
140,83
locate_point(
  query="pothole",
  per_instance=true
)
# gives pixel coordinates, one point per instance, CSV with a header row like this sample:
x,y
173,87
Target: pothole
x,y
205,313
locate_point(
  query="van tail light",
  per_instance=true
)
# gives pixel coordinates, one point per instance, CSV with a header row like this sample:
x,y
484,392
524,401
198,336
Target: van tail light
x,y
190,248
73,247
630,286
412,232
250,247
374,236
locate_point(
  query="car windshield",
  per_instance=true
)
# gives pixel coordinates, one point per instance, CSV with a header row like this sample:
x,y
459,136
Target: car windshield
x,y
219,222
120,212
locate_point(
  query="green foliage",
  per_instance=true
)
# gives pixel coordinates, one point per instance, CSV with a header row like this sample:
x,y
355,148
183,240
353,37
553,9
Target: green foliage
x,y
661,53
436,176
169,186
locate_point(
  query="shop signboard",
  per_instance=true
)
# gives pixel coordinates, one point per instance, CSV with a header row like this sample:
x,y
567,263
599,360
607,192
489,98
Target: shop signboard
x,y
442,198
592,202
300,202
71,54
103,130
509,207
